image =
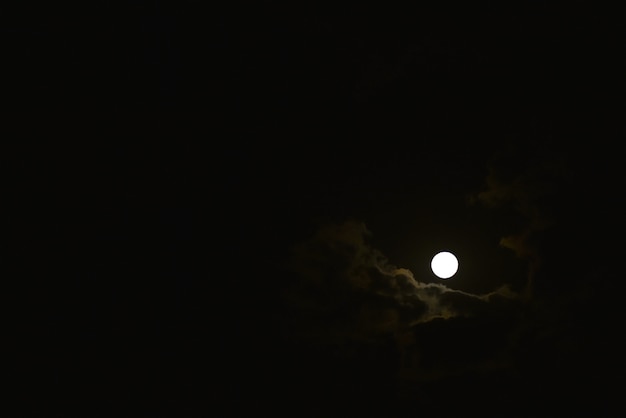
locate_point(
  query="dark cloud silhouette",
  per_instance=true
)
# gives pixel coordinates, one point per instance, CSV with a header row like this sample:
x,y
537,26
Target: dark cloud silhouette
x,y
524,179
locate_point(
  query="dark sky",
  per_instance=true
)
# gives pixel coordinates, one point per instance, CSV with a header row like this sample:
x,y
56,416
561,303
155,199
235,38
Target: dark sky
x,y
215,209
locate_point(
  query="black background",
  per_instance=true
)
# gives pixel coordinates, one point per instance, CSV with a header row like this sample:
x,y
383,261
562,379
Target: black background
x,y
165,157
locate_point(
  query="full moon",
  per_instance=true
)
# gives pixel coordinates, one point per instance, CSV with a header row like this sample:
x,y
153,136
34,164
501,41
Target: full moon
x,y
444,265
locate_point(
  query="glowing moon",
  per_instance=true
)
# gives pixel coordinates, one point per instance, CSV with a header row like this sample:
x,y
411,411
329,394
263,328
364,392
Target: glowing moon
x,y
444,265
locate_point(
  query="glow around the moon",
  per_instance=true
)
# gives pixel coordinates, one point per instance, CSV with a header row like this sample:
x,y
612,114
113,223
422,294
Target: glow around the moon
x,y
444,265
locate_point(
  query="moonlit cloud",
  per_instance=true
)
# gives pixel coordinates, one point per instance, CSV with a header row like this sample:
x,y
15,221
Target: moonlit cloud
x,y
340,276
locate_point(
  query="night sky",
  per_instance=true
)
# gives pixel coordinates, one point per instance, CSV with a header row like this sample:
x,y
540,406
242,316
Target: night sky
x,y
215,210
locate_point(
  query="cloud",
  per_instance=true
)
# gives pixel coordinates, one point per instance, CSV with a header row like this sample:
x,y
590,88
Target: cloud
x,y
524,181
346,288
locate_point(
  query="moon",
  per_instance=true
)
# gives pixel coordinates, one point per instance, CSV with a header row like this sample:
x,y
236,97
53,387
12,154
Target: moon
x,y
444,265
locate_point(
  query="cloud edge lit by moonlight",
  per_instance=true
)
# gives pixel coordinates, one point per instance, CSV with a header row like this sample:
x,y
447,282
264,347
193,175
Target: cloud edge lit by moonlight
x,y
340,277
